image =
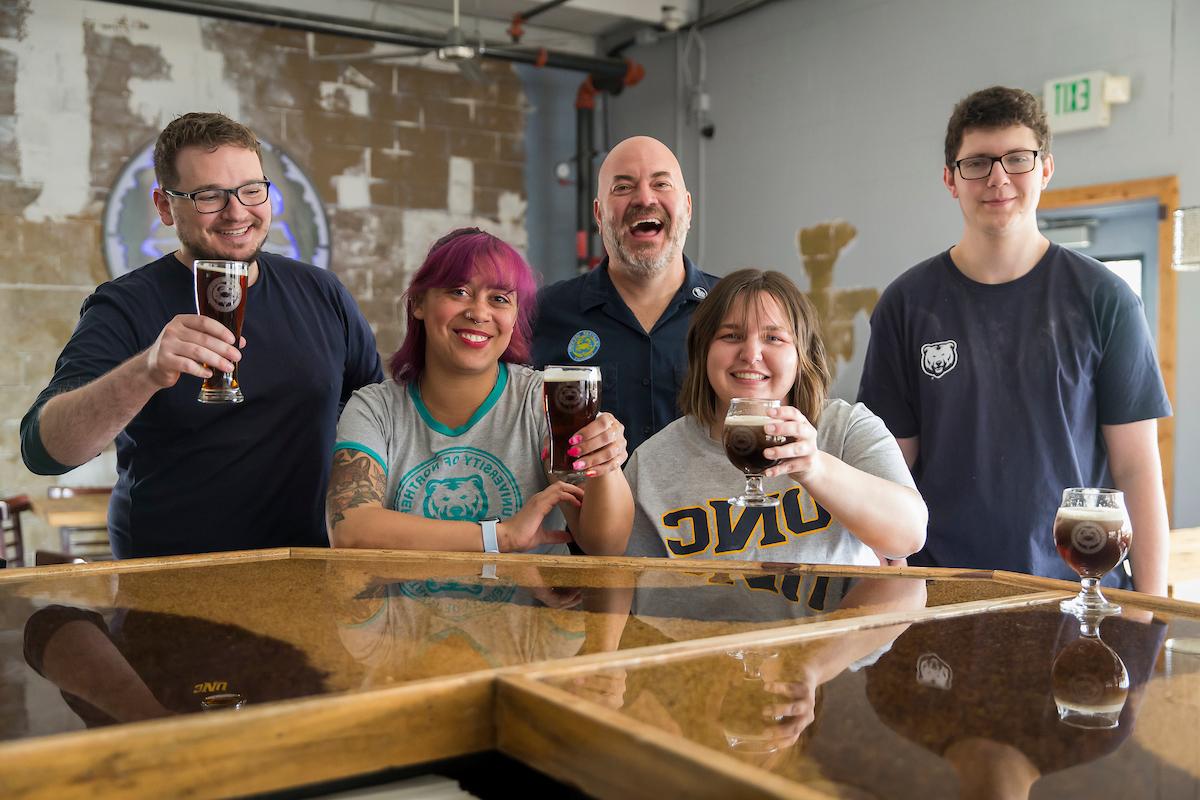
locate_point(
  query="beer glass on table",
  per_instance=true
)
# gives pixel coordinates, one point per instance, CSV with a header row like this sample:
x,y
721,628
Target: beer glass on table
x,y
1092,534
745,439
571,397
221,295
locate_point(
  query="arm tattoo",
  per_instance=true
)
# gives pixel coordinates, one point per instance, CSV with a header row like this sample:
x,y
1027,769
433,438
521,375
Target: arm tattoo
x,y
356,480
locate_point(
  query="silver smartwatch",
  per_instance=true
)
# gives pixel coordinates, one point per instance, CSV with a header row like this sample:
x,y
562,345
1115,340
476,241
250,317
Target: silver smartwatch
x,y
488,526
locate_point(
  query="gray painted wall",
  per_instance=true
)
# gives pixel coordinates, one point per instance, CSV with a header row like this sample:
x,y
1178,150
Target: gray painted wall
x,y
836,109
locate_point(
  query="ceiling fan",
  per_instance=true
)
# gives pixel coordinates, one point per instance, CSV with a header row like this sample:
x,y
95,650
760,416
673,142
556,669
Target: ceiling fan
x,y
453,48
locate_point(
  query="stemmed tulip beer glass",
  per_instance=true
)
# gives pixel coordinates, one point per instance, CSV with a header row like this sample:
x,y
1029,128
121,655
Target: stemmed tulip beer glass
x,y
745,439
1092,534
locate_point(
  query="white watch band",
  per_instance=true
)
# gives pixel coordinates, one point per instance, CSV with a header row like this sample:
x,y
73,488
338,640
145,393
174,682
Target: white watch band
x,y
488,526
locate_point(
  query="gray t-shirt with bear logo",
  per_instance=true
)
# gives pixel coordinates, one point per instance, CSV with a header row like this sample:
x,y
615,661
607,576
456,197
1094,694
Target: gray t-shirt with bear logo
x,y
489,467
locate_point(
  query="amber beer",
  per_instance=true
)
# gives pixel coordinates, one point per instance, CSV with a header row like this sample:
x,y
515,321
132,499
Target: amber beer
x,y
571,397
1091,540
745,440
221,295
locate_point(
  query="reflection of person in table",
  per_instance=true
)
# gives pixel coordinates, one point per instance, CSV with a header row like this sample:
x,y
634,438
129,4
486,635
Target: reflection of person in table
x,y
411,629
976,690
791,674
446,454
127,665
846,496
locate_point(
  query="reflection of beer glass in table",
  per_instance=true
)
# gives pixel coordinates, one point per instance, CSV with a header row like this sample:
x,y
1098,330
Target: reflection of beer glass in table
x,y
1090,681
747,731
221,295
745,440
1092,534
571,397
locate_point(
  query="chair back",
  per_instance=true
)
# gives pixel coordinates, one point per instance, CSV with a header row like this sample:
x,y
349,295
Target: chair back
x,y
13,545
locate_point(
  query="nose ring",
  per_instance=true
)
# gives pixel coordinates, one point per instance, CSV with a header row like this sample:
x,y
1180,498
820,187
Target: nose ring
x,y
470,317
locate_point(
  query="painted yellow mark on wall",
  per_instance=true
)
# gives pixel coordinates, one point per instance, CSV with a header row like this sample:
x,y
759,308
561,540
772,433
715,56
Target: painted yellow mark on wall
x,y
819,247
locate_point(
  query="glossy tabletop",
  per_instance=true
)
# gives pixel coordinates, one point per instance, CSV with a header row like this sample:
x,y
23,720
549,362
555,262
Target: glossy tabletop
x,y
291,666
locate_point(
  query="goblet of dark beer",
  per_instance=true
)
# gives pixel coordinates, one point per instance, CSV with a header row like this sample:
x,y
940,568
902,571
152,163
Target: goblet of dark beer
x,y
221,295
745,439
571,397
1092,534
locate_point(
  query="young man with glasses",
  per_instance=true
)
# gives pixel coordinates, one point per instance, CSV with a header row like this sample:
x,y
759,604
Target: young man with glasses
x,y
193,477
1009,368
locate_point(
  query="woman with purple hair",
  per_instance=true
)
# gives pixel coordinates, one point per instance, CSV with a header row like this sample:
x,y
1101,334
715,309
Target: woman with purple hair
x,y
447,454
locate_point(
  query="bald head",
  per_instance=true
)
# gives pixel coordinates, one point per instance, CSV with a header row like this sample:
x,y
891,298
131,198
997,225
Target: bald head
x,y
629,154
643,208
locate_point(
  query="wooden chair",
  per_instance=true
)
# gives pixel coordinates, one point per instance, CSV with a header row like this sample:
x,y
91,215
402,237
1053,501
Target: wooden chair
x,y
89,541
10,522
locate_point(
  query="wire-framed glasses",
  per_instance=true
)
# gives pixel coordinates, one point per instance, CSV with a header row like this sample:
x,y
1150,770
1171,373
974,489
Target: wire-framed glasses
x,y
1018,162
210,201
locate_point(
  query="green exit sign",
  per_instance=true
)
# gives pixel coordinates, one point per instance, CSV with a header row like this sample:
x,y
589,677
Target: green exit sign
x,y
1079,102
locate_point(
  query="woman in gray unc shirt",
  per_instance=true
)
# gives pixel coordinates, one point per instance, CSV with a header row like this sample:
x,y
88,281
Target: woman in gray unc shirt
x,y
846,495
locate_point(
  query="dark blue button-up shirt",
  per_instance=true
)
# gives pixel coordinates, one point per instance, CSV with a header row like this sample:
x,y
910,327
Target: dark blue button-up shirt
x,y
584,321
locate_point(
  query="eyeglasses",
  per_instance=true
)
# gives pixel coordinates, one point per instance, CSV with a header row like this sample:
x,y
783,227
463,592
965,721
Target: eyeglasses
x,y
1018,162
210,201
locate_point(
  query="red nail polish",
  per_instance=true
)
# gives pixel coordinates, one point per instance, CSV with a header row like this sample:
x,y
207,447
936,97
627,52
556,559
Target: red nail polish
x,y
578,465
573,451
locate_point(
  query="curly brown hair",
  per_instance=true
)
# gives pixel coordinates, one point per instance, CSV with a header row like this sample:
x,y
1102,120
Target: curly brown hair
x,y
742,288
198,129
996,107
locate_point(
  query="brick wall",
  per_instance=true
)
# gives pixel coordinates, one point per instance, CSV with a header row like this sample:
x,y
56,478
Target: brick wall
x,y
399,153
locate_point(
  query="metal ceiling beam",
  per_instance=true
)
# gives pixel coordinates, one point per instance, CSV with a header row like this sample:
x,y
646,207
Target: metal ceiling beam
x,y
607,72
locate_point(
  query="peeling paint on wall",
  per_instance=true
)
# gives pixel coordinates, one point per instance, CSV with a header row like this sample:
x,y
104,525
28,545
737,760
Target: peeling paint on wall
x,y
819,247
53,111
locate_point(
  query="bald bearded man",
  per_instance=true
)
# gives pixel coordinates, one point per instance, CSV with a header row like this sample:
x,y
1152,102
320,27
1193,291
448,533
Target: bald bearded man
x,y
629,316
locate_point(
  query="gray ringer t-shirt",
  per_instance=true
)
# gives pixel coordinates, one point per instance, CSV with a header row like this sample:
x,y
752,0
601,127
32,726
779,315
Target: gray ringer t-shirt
x,y
682,482
489,467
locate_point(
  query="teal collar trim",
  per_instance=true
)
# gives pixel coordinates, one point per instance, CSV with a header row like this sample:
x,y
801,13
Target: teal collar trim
x,y
414,391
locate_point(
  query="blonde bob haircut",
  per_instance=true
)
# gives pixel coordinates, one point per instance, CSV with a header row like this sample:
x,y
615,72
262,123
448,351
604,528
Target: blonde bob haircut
x,y
739,290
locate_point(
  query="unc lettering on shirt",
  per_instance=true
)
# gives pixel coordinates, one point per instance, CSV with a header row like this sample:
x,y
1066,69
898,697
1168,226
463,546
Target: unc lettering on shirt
x,y
801,516
813,589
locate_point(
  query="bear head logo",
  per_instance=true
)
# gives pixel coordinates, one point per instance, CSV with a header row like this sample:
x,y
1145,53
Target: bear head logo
x,y
456,499
938,358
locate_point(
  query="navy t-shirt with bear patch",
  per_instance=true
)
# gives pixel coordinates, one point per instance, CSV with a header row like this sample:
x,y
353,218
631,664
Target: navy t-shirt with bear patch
x,y
1006,386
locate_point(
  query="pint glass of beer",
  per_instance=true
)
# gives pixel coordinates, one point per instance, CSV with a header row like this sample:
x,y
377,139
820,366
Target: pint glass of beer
x,y
745,440
571,397
1092,534
221,295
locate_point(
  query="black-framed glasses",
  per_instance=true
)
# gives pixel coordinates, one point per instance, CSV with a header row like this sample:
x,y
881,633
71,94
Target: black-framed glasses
x,y
1018,162
210,201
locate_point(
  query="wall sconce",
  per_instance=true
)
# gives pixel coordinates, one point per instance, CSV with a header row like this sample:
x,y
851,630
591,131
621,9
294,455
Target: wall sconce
x,y
1186,257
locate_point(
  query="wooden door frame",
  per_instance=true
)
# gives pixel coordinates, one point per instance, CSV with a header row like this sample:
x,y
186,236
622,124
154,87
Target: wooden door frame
x,y
1165,192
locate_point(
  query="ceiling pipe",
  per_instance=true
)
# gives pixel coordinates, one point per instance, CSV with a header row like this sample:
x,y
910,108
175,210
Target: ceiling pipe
x,y
517,29
610,74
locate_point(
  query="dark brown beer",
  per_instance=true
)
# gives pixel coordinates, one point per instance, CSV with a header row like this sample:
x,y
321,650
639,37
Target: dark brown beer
x,y
571,397
745,440
1091,540
1090,683
221,295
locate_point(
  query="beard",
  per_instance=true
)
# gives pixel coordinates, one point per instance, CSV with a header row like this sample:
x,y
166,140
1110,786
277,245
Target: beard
x,y
201,251
645,262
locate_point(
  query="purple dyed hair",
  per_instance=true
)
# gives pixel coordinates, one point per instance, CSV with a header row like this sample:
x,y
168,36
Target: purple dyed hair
x,y
454,260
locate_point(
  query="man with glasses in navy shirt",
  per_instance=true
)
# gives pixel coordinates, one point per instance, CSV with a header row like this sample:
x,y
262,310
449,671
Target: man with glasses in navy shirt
x,y
629,316
195,477
1009,368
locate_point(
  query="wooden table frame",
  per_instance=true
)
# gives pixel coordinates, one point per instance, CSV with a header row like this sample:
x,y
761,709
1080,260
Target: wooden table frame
x,y
310,740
